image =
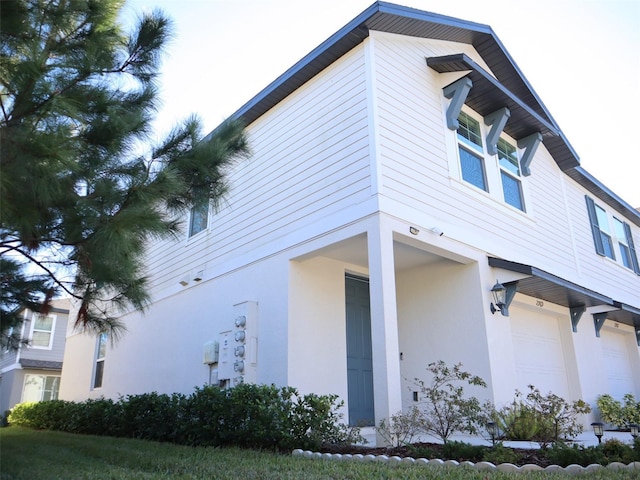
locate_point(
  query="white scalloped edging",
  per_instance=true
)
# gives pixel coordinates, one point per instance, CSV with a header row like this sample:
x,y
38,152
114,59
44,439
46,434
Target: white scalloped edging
x,y
503,467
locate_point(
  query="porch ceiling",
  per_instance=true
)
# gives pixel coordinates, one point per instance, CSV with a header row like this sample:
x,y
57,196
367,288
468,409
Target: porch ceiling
x,y
354,251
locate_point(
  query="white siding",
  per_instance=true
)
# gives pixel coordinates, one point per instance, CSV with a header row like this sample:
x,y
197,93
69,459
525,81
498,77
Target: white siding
x,y
310,160
600,273
416,151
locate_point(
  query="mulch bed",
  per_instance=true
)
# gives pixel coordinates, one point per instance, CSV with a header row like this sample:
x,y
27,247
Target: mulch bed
x,y
525,456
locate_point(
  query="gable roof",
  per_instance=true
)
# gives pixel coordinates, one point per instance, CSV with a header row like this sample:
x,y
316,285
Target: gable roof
x,y
391,18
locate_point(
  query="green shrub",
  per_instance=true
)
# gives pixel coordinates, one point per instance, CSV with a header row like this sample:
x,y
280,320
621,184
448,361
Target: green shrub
x,y
500,454
619,414
316,421
616,451
401,428
462,451
149,416
564,455
444,407
421,451
535,417
255,416
201,417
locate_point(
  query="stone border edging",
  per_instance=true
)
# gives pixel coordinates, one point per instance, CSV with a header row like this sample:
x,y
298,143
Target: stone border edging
x,y
503,467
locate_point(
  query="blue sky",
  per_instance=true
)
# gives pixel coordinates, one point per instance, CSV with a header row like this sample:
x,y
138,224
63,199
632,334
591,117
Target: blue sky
x,y
581,57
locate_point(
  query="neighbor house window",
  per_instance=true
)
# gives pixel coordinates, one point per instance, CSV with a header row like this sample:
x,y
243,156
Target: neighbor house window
x,y
510,174
199,218
42,331
101,352
471,163
612,237
40,388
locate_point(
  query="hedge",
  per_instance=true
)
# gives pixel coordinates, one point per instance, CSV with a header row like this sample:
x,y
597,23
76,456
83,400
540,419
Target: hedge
x,y
248,415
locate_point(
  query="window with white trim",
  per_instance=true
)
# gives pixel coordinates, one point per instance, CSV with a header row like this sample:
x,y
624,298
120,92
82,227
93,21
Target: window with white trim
x,y
40,388
510,174
198,218
101,352
611,236
42,329
490,173
471,159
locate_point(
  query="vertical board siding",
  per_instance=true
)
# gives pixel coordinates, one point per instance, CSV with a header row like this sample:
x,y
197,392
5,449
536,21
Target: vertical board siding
x,y
310,158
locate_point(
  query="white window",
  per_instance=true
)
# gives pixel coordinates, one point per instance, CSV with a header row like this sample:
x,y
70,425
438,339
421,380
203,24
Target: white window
x,y
500,175
612,237
623,243
101,352
510,174
42,329
199,218
471,159
40,388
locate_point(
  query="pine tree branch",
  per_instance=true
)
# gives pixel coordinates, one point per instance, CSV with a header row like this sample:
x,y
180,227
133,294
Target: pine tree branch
x,y
49,273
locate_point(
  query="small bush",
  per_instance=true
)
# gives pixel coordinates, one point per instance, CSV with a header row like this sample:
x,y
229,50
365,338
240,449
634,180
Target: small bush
x,y
445,409
564,455
616,413
421,451
463,451
401,428
616,451
535,417
500,454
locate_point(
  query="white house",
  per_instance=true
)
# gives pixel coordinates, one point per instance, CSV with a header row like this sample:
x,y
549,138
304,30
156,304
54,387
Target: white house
x,y
32,372
399,171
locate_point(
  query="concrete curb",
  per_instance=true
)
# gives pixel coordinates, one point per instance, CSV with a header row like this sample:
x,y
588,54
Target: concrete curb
x,y
423,462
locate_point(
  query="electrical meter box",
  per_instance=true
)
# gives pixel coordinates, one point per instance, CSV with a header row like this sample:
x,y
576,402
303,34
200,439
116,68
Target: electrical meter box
x,y
226,356
210,353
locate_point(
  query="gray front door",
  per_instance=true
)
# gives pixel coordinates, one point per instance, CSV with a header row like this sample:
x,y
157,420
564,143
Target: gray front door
x,y
359,363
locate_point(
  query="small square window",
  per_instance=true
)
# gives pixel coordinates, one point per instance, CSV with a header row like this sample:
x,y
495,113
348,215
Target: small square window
x,y
42,331
508,156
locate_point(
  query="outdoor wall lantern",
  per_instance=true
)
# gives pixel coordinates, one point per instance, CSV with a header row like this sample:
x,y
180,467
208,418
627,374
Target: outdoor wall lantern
x,y
499,293
634,428
598,430
492,428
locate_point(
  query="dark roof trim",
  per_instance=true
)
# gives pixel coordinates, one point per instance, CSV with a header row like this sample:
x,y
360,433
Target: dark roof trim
x,y
484,85
387,17
40,364
554,289
391,18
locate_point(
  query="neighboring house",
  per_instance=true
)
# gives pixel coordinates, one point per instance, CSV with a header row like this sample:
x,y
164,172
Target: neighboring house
x,y
32,373
399,171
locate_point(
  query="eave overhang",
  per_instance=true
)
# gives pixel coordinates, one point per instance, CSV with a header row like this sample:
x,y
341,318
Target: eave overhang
x,y
397,19
40,364
391,18
487,95
554,289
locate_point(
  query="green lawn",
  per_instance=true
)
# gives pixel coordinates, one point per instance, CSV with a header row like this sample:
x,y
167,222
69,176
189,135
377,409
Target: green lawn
x,y
34,455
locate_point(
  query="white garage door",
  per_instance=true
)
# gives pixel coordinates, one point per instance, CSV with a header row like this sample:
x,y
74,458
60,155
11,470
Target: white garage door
x,y
617,361
538,352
